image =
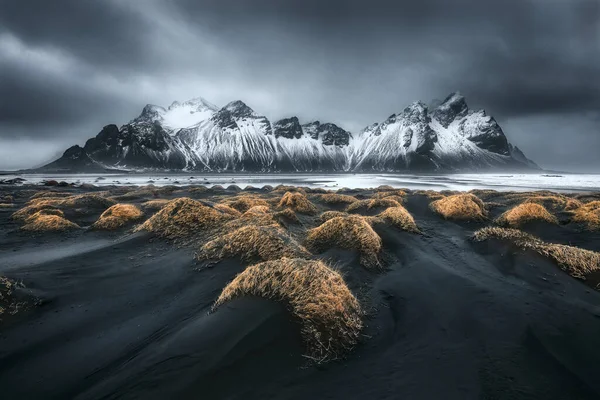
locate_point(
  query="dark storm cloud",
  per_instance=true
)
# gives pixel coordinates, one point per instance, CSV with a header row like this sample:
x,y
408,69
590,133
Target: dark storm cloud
x,y
72,65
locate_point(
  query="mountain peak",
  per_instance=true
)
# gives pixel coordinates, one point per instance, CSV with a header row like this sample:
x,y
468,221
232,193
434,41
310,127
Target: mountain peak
x,y
238,109
452,107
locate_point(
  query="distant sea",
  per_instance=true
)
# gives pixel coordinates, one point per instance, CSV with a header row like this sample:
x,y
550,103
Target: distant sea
x,y
463,182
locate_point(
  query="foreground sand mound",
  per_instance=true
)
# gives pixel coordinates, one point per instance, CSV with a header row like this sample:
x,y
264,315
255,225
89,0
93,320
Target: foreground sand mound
x,y
145,192
385,202
330,316
81,203
254,243
42,222
350,232
400,218
575,261
588,214
183,218
117,217
461,207
298,202
336,198
287,215
524,213
245,202
227,210
396,194
430,194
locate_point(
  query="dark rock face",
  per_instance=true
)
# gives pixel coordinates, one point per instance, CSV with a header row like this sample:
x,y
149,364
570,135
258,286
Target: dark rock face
x,y
75,157
289,128
453,107
489,136
330,134
228,116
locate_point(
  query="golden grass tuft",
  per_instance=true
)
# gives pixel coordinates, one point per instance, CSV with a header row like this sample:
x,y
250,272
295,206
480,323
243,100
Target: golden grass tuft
x,y
48,194
154,205
462,207
588,214
384,188
118,216
48,223
349,232
556,203
430,194
575,261
258,210
287,215
524,213
245,202
330,316
184,218
7,205
573,204
227,209
82,201
298,202
336,198
396,194
285,189
253,243
327,215
46,211
385,202
400,218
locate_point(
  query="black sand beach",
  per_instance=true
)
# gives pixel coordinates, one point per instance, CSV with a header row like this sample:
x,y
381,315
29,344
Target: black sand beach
x,y
125,314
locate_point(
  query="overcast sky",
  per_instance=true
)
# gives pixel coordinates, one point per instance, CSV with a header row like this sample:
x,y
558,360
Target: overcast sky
x,y
69,67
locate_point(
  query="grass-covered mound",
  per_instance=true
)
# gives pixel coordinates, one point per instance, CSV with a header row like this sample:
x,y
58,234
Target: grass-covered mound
x,y
227,209
48,221
82,203
524,213
118,216
287,215
384,202
588,214
253,243
575,261
349,232
330,315
245,202
327,215
430,194
184,218
154,205
298,202
460,207
336,198
399,217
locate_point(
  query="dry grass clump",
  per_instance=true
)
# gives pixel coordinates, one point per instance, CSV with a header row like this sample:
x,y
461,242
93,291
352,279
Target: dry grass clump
x,y
48,194
385,202
287,215
575,261
48,223
117,217
253,243
463,207
327,215
234,188
485,194
396,194
400,218
7,199
285,189
587,197
555,203
336,198
183,218
227,209
258,210
573,204
524,213
316,190
154,205
384,188
245,202
198,189
82,201
330,316
7,205
588,214
430,194
350,232
46,211
298,202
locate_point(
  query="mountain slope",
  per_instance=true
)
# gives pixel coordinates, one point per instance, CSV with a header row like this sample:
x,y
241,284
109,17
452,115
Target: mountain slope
x,y
196,135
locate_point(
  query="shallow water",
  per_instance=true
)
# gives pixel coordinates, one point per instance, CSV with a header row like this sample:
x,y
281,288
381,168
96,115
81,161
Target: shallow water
x,y
563,182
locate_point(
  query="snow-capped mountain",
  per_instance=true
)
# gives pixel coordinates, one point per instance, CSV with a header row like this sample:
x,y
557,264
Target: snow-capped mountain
x,y
197,136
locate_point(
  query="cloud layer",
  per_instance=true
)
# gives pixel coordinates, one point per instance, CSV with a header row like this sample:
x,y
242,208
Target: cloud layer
x,y
71,66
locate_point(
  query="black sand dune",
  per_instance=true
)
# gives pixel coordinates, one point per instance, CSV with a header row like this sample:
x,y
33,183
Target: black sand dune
x,y
127,315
